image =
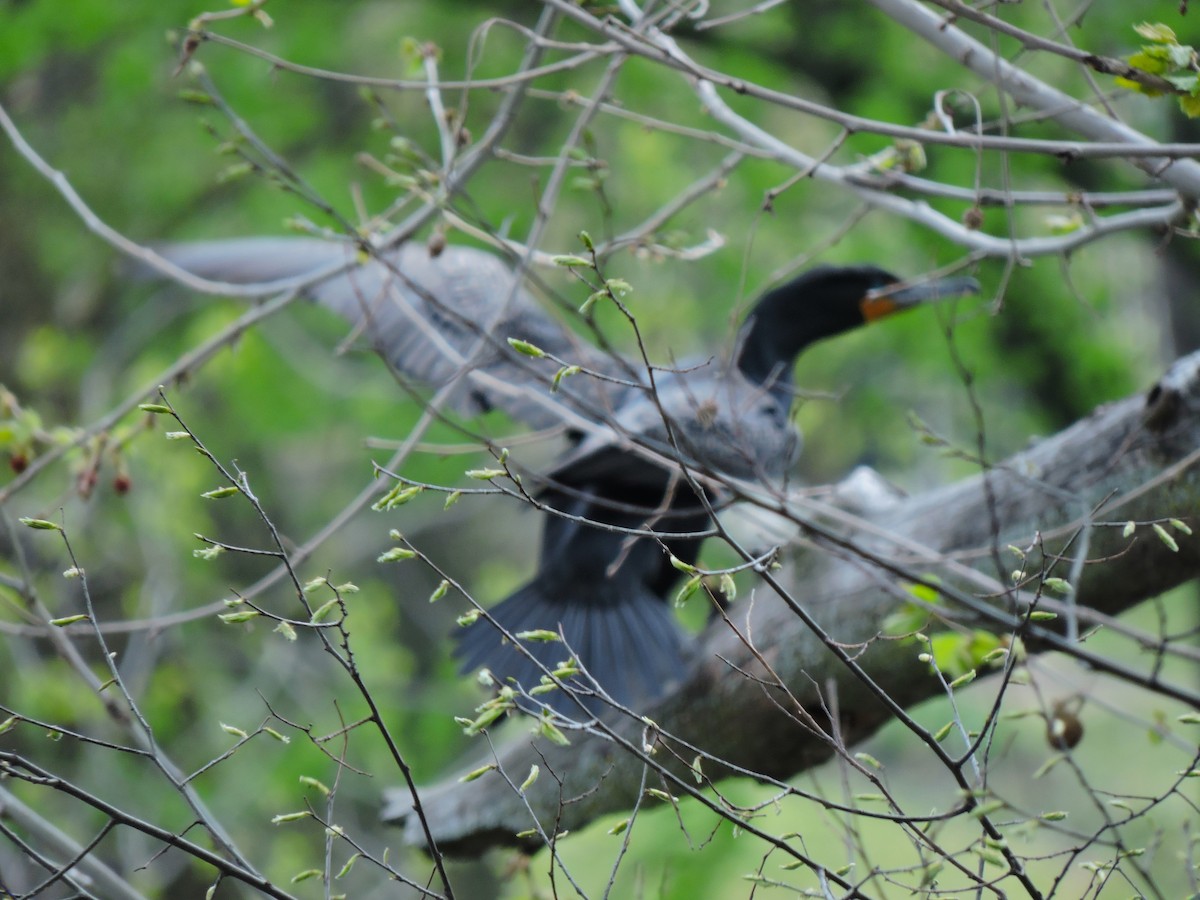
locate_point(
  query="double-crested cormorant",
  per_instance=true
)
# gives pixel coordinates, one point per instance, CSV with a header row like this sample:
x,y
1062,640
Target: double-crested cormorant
x,y
447,318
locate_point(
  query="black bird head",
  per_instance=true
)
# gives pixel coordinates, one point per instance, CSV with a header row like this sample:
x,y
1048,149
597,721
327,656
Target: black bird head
x,y
822,302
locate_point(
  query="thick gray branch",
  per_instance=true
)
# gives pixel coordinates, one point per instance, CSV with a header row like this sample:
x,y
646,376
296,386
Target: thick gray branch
x,y
1132,460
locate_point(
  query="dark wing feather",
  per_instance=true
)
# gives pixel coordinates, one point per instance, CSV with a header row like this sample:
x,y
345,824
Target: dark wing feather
x,y
435,319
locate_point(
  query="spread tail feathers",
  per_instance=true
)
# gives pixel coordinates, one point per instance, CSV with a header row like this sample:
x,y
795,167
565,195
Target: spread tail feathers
x,y
626,640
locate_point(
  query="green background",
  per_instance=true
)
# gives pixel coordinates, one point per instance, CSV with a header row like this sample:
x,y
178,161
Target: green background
x,y
91,86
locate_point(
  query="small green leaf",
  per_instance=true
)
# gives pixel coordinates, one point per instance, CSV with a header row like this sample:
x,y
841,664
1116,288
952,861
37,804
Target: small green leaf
x,y
587,305
440,591
571,261
586,240
986,809
1180,56
728,587
1165,537
618,287
1148,61
931,873
870,798
396,554
679,564
1129,528
538,635
321,612
197,97
309,781
282,738
564,372
689,588
306,875
453,498
1157,32
1180,526
989,856
526,348
397,496
568,669
1056,816
345,870
1186,83
868,760
219,493
234,172
1041,615
530,779
910,155
39,524
239,617
620,827
906,620
234,730
551,732
155,408
489,713
476,774
286,629
1057,585
963,680
484,474
925,592
68,620
1064,224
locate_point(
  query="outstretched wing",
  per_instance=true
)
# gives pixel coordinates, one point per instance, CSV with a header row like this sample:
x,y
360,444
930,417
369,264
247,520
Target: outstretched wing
x,y
438,320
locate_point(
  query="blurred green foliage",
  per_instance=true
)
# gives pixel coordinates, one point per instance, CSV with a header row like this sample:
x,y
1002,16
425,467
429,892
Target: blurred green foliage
x,y
91,86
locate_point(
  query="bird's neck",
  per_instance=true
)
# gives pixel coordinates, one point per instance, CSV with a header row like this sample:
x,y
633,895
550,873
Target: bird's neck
x,y
768,347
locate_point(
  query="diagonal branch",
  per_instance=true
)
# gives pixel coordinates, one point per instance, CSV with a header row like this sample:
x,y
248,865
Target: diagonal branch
x,y
1132,461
